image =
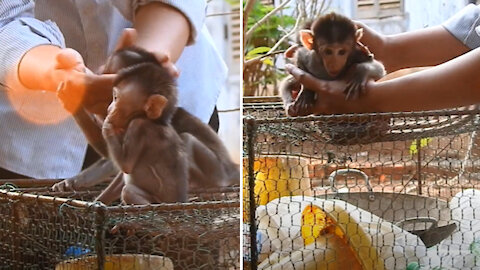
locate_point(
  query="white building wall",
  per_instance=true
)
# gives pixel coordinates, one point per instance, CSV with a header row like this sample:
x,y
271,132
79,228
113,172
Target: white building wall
x,y
418,14
229,99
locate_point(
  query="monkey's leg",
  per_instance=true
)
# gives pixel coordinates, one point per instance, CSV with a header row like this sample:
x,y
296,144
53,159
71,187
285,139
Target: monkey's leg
x,y
131,194
206,168
97,173
113,191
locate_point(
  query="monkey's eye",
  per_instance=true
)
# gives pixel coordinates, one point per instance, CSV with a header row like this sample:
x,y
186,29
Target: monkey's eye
x,y
328,52
342,52
114,96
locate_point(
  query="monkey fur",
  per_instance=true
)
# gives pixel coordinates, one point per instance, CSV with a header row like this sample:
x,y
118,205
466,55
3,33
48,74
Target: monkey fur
x,y
208,159
331,51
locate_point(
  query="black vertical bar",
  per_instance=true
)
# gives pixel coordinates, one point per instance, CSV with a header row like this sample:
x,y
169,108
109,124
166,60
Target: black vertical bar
x,y
251,191
100,213
419,166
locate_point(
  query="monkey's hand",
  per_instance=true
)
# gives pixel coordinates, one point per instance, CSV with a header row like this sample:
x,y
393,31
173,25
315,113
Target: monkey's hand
x,y
65,185
110,130
356,87
303,105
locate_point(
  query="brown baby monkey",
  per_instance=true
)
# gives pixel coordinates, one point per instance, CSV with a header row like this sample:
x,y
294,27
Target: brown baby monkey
x,y
140,138
331,51
209,163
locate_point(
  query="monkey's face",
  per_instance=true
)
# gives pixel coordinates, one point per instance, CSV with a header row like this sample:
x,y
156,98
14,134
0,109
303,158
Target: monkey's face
x,y
128,102
335,56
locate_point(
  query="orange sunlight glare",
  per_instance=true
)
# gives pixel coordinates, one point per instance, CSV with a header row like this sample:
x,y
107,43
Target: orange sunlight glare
x,y
36,106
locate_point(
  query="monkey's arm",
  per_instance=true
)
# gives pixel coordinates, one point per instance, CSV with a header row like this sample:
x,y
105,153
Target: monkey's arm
x,y
303,105
454,83
91,130
289,90
361,73
97,173
126,148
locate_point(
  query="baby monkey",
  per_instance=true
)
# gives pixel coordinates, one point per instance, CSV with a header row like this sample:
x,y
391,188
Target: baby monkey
x,y
331,51
140,138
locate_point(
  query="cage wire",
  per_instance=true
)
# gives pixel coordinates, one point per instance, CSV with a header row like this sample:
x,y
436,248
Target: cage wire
x,y
41,229
364,191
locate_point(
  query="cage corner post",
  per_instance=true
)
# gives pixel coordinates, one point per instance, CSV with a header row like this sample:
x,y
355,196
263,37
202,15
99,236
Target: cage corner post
x,y
251,129
100,219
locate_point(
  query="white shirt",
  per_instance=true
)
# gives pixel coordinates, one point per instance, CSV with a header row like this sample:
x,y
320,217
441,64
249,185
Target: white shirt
x,y
465,26
37,137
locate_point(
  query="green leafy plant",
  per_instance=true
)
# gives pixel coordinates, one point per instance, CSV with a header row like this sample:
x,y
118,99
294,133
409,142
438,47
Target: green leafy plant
x,y
260,73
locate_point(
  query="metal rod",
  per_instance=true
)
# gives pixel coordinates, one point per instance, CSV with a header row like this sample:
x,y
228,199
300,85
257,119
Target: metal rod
x,y
42,198
419,166
367,116
173,207
250,121
30,182
100,220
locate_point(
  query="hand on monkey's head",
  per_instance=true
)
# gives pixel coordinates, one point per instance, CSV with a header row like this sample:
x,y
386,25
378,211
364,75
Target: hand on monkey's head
x,y
129,39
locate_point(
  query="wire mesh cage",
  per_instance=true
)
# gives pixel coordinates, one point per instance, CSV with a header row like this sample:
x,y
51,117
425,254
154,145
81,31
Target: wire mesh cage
x,y
41,229
367,191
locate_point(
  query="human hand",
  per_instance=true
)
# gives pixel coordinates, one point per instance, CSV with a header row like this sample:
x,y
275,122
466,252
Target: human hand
x,y
77,86
330,94
375,41
91,91
129,38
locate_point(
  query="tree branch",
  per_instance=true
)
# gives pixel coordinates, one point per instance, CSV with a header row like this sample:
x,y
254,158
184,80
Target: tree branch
x,y
259,58
262,20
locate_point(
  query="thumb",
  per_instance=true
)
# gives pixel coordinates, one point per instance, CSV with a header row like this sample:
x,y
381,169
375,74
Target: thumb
x,y
69,59
306,79
127,39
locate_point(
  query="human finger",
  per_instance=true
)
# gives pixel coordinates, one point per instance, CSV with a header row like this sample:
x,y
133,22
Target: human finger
x,y
127,39
305,79
164,60
69,59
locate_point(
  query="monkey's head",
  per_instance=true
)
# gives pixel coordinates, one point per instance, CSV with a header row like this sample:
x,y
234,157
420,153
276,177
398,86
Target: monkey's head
x,y
143,90
333,37
127,57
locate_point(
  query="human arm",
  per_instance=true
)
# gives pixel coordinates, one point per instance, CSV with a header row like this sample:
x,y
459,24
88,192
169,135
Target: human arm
x,y
426,47
20,33
180,21
453,83
33,52
153,22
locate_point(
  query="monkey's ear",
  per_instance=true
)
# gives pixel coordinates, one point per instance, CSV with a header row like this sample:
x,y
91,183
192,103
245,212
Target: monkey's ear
x,y
358,34
155,105
306,37
290,52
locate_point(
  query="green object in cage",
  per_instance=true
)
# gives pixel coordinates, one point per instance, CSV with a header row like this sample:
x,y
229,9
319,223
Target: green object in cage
x,y
423,143
413,266
475,247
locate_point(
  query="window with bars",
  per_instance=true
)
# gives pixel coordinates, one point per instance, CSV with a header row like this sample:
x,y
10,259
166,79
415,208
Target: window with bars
x,y
370,9
236,34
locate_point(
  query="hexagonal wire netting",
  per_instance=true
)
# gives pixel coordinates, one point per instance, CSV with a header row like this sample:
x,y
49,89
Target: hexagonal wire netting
x,y
369,191
40,229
